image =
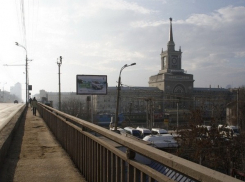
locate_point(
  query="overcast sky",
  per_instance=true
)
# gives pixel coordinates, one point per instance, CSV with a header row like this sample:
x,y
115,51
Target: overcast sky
x,y
98,37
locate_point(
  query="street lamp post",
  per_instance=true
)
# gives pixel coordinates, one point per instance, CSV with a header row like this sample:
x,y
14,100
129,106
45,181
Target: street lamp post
x,y
118,92
237,118
177,114
178,101
27,92
59,64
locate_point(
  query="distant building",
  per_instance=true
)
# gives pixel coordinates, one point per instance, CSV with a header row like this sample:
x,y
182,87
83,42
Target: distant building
x,y
132,99
17,91
234,110
10,97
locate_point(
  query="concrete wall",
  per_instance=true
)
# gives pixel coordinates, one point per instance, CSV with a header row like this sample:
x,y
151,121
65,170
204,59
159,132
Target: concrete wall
x,y
7,133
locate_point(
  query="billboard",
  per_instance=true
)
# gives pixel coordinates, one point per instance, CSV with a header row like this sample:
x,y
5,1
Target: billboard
x,y
91,84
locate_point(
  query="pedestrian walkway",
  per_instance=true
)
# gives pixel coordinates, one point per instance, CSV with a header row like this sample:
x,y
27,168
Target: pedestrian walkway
x,y
36,156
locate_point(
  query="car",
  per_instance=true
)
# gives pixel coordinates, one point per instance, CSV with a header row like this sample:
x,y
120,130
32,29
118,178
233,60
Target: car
x,y
133,131
96,85
228,131
16,102
143,131
162,141
156,131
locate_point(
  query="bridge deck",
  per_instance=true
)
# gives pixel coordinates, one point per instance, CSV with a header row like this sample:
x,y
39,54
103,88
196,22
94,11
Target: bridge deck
x,y
35,155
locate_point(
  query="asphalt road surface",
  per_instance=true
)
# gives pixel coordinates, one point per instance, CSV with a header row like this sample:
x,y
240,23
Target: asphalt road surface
x,y
7,111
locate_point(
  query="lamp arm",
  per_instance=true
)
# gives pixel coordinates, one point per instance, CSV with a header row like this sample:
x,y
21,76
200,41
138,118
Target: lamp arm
x,y
16,43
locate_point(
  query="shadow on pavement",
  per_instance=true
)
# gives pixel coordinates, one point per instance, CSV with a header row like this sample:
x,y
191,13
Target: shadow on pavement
x,y
7,170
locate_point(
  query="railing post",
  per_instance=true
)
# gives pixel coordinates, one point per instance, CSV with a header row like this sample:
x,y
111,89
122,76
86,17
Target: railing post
x,y
118,169
130,172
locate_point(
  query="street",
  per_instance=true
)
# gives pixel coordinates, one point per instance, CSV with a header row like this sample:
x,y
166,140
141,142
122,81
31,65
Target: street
x,y
7,111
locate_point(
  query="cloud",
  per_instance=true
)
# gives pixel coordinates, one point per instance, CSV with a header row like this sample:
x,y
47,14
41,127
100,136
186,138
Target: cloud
x,y
99,37
95,8
143,24
240,54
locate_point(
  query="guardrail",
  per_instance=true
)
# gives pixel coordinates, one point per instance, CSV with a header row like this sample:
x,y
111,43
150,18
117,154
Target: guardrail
x,y
99,159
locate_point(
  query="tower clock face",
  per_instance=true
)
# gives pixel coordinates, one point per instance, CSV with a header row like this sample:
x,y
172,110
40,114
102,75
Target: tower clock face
x,y
174,60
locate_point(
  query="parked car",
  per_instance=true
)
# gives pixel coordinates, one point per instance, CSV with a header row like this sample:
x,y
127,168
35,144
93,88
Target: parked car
x,y
228,131
156,131
119,130
143,131
132,131
162,141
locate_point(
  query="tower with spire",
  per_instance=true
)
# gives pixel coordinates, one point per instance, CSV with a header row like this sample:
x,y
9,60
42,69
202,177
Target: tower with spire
x,y
171,77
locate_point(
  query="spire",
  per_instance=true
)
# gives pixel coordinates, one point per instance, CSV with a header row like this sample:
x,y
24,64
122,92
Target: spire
x,y
170,31
171,40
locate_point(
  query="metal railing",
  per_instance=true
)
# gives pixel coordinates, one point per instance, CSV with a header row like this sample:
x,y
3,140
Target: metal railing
x,y
103,155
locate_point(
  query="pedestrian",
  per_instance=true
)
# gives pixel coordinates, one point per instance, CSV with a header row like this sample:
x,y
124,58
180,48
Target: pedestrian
x,y
30,102
34,105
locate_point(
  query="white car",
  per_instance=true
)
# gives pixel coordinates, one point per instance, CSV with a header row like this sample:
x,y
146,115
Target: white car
x,y
156,131
162,141
143,131
132,131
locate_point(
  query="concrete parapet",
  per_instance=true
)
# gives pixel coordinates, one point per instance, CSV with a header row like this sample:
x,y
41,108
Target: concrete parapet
x,y
7,133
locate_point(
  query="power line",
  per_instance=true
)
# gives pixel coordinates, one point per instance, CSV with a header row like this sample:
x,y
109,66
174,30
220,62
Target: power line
x,y
14,65
23,23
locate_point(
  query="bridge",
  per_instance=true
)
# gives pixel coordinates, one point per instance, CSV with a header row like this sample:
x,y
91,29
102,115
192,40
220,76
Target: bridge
x,y
70,149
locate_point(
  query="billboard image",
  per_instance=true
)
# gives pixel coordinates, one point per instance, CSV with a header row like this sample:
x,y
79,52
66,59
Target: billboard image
x,y
91,84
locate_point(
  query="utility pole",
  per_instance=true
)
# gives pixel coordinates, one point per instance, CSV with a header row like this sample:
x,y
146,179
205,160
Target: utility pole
x,y
92,107
149,112
27,90
152,113
178,101
177,115
130,110
59,64
237,108
3,91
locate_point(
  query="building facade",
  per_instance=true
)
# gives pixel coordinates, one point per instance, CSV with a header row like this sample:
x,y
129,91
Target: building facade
x,y
132,100
17,91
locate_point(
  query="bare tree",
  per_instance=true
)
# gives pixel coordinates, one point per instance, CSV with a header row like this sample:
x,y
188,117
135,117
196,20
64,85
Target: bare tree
x,y
74,107
241,106
207,145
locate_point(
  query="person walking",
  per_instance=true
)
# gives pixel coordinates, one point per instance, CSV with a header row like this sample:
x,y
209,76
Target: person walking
x,y
34,105
30,102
